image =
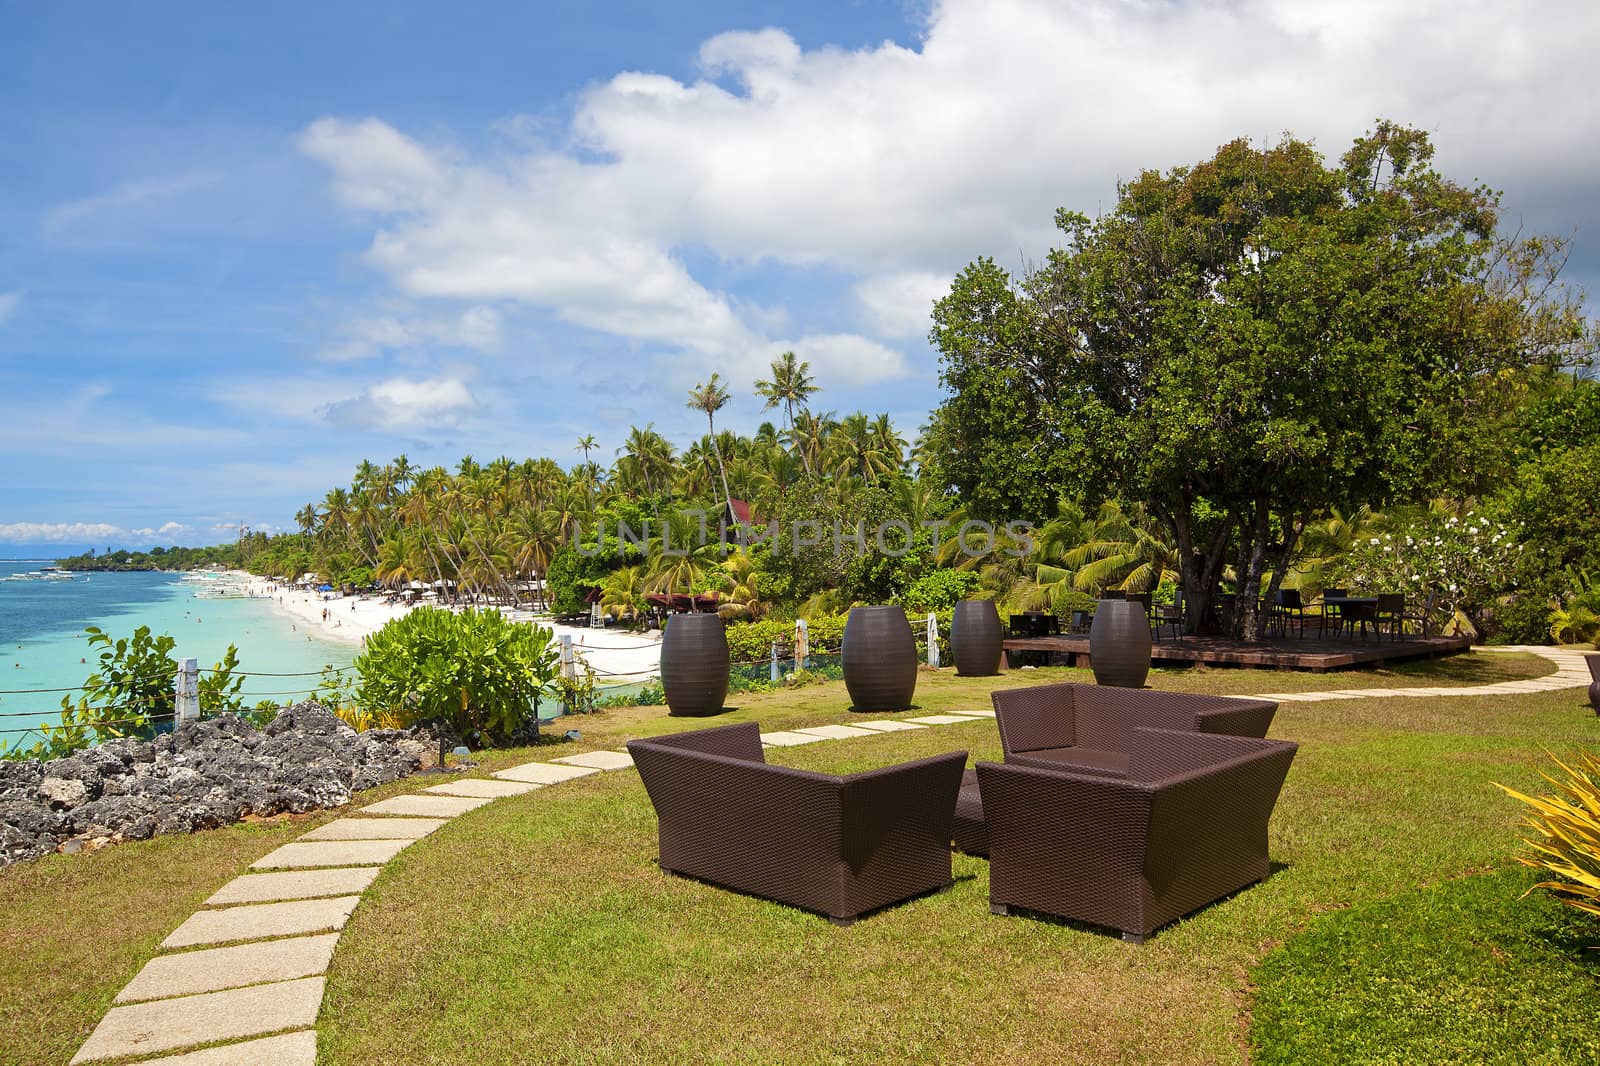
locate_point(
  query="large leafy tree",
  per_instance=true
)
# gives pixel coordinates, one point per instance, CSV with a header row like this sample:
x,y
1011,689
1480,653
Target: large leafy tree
x,y
1242,343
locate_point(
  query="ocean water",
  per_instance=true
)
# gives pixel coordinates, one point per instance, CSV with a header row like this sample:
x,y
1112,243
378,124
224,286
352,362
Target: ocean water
x,y
43,647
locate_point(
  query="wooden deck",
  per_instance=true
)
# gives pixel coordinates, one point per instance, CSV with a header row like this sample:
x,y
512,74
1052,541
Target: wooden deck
x,y
1287,653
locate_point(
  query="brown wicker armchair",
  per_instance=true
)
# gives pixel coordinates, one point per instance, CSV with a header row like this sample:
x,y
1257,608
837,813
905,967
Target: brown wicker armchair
x,y
842,846
1067,726
1186,826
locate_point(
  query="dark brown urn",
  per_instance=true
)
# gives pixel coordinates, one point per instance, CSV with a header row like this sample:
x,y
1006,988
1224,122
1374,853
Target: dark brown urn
x,y
1594,686
975,638
880,659
694,664
1119,644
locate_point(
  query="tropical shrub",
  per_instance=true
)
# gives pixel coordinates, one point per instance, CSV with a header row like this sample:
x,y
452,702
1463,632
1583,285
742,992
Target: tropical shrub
x,y
940,590
476,670
751,642
1467,562
1568,830
1576,619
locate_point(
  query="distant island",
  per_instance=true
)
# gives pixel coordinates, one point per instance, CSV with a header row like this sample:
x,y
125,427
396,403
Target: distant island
x,y
174,558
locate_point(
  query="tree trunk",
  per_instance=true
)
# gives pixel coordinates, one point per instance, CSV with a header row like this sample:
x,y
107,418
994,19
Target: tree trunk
x,y
1250,587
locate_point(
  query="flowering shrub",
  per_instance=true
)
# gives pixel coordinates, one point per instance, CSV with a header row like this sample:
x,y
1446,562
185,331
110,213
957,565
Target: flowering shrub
x,y
1468,563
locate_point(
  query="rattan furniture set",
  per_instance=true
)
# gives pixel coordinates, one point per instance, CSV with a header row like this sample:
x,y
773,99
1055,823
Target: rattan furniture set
x,y
1114,807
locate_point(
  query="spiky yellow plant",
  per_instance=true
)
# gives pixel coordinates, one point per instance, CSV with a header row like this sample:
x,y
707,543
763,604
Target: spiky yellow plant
x,y
363,720
1568,828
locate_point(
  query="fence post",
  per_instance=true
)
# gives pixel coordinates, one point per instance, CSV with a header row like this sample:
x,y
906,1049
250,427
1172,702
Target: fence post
x,y
802,643
568,669
775,674
933,640
187,687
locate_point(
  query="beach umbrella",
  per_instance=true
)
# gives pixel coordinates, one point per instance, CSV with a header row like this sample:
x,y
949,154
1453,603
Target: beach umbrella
x,y
324,588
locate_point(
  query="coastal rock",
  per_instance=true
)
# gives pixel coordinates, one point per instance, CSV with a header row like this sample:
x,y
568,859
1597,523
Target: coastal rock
x,y
206,774
62,793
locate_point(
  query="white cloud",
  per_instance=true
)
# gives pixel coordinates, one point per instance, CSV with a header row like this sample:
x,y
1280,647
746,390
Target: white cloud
x,y
901,305
477,328
65,532
897,165
839,357
9,302
92,210
405,405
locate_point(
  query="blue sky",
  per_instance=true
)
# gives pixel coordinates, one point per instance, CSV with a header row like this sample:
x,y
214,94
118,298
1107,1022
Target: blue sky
x,y
243,248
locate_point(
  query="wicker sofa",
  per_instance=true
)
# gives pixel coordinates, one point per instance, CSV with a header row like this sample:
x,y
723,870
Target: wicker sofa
x,y
841,846
1182,826
1066,726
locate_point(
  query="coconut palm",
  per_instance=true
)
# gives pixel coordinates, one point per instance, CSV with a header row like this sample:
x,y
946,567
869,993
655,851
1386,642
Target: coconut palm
x,y
711,397
791,385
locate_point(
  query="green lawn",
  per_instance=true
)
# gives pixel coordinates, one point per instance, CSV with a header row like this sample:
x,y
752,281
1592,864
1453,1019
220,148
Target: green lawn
x,y
539,929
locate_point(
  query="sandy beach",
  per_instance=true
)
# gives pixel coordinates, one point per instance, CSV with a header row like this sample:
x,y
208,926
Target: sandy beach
x,y
616,656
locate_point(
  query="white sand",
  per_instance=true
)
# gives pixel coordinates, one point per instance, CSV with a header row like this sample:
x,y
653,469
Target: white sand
x,y
617,656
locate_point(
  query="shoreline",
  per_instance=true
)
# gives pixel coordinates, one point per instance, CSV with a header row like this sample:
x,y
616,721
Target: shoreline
x,y
617,657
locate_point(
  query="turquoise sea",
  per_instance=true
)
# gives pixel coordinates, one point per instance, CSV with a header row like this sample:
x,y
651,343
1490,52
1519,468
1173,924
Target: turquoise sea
x,y
42,643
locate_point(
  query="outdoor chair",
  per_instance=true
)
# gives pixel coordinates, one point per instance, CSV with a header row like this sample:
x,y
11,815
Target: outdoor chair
x,y
1186,826
1359,615
1390,612
1330,612
1090,727
1170,615
1424,615
1286,605
841,846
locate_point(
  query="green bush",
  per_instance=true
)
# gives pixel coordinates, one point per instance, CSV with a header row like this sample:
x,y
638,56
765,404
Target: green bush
x,y
751,642
476,670
131,693
940,590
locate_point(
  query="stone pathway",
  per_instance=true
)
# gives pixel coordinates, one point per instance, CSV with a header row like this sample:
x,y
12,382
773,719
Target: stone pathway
x,y
1571,672
246,974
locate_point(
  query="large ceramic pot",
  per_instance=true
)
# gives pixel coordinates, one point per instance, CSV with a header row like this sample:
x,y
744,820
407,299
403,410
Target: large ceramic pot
x,y
694,664
1594,686
1119,644
880,659
975,638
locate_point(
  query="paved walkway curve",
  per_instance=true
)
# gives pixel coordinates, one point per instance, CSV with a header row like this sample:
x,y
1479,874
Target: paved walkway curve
x,y
1571,672
246,973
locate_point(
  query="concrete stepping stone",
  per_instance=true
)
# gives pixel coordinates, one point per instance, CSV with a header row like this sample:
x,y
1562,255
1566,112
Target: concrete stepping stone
x,y
978,713
600,760
168,1024
215,969
482,787
426,806
941,719
257,921
884,725
835,732
375,829
332,853
544,773
298,884
785,739
290,1049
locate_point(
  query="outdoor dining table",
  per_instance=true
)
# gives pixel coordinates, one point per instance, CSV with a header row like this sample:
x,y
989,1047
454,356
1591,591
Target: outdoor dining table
x,y
1342,605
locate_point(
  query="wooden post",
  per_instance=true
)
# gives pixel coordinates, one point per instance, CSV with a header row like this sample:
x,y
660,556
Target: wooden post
x,y
802,643
775,673
187,687
933,640
568,669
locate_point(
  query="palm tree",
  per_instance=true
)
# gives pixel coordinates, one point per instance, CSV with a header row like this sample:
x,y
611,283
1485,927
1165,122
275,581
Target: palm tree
x,y
791,385
306,518
711,397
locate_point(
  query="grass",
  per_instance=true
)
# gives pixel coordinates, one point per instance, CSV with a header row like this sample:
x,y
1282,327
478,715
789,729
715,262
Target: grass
x,y
538,928
1462,971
